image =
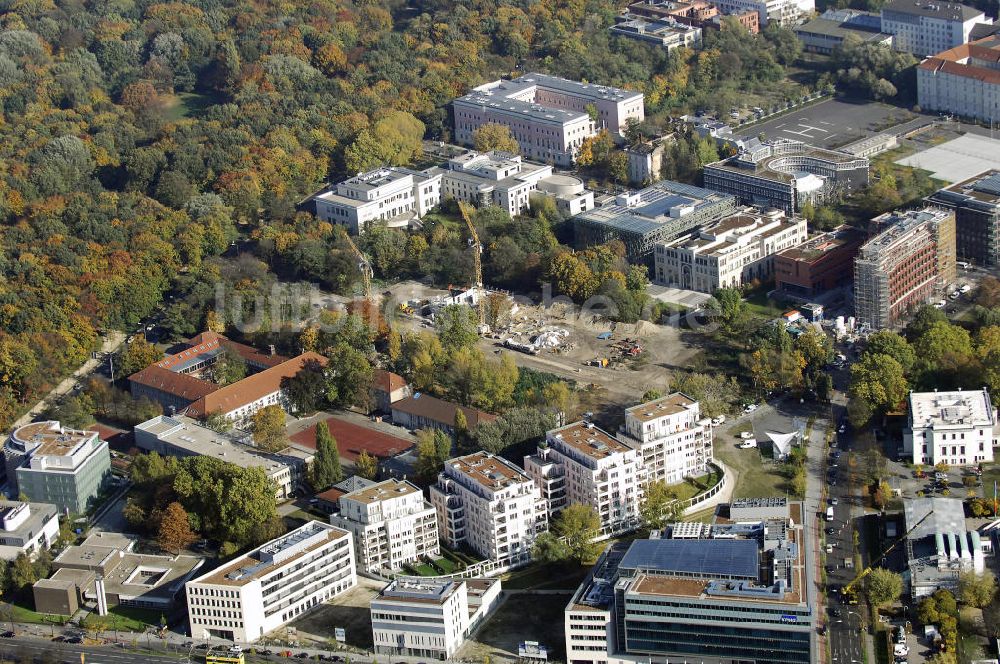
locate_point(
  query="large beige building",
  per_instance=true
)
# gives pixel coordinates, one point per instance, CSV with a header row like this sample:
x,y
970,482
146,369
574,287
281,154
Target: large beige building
x,y
730,253
596,469
258,592
391,524
547,115
489,504
964,80
674,440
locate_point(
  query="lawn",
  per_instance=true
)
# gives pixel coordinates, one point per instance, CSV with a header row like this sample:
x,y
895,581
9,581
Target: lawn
x,y
521,618
755,477
759,304
19,612
545,577
438,567
186,105
123,619
691,487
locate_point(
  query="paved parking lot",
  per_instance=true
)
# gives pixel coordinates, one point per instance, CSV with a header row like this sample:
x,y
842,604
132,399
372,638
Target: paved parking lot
x,y
958,159
830,123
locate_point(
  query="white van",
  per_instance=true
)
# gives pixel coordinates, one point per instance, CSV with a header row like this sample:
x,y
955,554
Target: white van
x,y
829,513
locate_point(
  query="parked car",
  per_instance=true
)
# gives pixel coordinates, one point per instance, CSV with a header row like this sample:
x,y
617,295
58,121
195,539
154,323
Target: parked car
x,y
748,444
750,407
716,421
746,435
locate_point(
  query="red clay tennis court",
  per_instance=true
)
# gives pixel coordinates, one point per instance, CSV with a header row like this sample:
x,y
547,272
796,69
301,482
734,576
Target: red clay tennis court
x,y
352,439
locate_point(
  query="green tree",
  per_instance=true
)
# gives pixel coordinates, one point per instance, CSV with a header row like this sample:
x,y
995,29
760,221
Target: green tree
x,y
494,136
578,525
136,356
618,167
326,468
659,505
879,380
21,573
456,327
366,465
883,587
433,449
893,344
922,320
349,377
229,368
977,590
732,310
549,549
269,429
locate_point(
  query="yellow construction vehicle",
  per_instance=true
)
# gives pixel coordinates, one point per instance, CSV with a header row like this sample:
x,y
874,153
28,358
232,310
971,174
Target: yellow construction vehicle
x,y
477,259
848,592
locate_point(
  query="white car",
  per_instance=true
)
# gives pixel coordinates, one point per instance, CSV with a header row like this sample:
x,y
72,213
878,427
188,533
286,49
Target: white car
x,y
746,435
965,288
716,421
940,304
748,444
750,407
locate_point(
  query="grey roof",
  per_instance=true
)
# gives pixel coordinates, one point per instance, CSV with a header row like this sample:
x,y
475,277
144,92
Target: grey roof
x,y
948,516
701,558
952,11
655,203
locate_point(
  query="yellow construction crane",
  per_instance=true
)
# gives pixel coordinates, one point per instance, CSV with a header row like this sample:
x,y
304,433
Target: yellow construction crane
x,y
848,591
477,259
365,266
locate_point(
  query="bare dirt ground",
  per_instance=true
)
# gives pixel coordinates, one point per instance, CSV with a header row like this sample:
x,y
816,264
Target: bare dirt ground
x,y
622,382
520,618
349,611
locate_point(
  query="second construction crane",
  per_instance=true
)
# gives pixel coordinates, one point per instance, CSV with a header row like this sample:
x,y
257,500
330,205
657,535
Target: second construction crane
x,y
365,267
477,259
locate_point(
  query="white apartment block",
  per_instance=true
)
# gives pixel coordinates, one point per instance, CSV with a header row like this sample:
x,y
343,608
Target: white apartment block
x,y
785,12
596,469
964,80
27,528
258,592
489,504
393,194
957,427
729,253
430,617
674,440
925,27
504,180
391,525
547,115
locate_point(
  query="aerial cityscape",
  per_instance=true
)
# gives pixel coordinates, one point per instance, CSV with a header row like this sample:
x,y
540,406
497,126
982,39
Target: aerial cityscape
x,y
650,332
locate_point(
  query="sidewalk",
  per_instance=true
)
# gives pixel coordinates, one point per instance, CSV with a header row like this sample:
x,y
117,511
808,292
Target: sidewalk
x,y
111,344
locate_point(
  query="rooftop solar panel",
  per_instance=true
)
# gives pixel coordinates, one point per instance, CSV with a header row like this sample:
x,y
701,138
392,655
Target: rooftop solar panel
x,y
706,558
989,185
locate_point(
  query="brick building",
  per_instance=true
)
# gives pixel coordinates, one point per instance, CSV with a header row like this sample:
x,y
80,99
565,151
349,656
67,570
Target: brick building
x,y
822,263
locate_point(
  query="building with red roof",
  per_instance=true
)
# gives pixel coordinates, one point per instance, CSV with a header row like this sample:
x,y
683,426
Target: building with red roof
x,y
352,439
964,80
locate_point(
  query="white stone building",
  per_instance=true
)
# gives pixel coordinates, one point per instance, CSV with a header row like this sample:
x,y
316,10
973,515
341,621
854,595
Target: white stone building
x,y
957,427
430,617
597,470
27,528
391,525
675,442
729,253
391,194
925,27
547,115
506,181
275,583
489,504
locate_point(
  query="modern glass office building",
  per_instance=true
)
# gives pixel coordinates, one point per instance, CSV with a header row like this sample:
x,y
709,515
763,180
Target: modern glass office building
x,y
714,594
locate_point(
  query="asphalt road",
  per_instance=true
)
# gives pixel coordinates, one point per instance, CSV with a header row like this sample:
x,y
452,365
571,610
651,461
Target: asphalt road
x,y
27,650
844,621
